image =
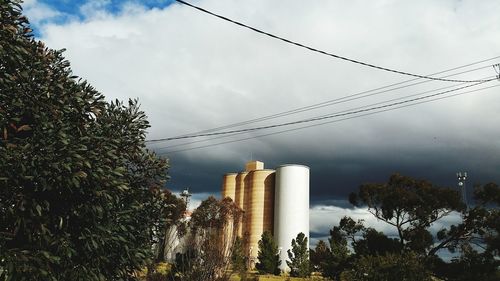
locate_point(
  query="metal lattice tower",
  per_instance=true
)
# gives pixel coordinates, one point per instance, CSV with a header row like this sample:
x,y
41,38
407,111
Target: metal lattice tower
x,y
462,176
185,195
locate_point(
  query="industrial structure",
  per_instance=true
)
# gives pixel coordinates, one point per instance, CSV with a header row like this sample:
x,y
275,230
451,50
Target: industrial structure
x,y
272,200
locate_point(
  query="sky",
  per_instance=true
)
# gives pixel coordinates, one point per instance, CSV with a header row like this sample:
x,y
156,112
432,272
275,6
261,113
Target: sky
x,y
193,72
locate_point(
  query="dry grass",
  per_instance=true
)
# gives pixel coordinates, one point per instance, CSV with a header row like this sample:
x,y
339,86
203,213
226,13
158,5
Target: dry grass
x,y
164,269
236,277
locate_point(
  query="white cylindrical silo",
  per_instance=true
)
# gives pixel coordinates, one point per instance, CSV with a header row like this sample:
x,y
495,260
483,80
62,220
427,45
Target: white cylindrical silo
x,y
291,207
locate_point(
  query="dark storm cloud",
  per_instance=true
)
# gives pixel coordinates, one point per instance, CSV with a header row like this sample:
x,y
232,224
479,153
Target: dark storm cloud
x,y
332,179
318,236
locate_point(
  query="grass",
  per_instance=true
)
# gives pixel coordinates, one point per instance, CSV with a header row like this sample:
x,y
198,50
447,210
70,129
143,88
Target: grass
x,y
267,277
164,269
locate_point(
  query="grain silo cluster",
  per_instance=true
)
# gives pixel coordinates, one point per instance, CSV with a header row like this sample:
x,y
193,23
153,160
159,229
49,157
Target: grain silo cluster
x,y
272,200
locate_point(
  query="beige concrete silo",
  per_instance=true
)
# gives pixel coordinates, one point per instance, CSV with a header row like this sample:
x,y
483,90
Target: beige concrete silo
x,y
240,196
254,165
260,212
229,186
228,190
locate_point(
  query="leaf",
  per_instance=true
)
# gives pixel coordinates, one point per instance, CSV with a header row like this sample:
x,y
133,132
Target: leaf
x,y
45,254
24,128
80,174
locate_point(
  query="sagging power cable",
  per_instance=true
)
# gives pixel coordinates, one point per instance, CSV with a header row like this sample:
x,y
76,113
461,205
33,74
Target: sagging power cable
x,y
324,52
327,122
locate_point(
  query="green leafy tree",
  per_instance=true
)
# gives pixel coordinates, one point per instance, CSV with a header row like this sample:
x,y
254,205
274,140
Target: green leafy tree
x,y
350,234
476,238
374,243
239,259
480,224
319,255
471,265
80,195
411,206
390,267
366,241
211,240
349,230
269,260
339,258
299,257
177,208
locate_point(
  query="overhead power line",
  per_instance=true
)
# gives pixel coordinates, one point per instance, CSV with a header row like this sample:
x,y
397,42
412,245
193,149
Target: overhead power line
x,y
328,122
330,114
359,95
363,94
324,52
322,117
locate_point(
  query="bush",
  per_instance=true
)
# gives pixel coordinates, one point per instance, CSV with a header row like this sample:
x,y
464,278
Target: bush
x,y
389,267
80,196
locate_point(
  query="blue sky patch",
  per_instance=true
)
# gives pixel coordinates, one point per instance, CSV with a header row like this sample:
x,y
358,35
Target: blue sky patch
x,y
72,9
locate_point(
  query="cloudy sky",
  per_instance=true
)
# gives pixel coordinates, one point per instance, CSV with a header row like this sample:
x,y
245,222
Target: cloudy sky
x,y
193,72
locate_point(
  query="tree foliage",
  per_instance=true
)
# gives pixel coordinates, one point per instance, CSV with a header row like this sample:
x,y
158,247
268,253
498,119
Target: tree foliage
x,y
299,257
162,239
389,267
411,206
476,238
470,265
80,196
318,255
239,260
268,256
210,242
338,255
375,243
356,252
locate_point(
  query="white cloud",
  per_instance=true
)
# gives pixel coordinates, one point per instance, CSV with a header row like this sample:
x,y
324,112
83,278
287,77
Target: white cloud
x,y
324,217
192,71
95,10
38,12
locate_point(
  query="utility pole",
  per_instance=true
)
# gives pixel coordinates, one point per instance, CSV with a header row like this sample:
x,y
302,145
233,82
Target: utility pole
x,y
185,195
496,67
462,176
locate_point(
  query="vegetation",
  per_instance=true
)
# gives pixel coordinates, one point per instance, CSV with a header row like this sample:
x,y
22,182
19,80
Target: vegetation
x,y
211,241
333,260
388,267
268,256
80,195
299,257
411,206
476,238
163,241
318,255
238,258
